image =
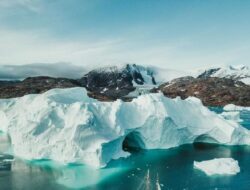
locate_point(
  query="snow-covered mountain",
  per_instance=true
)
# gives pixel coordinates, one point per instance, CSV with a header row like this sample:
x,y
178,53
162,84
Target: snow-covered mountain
x,y
129,74
165,75
137,75
119,81
156,74
66,125
108,83
239,72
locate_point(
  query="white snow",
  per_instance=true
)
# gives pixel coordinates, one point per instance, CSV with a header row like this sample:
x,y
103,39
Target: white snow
x,y
238,72
104,90
246,80
160,75
218,166
146,73
66,125
165,75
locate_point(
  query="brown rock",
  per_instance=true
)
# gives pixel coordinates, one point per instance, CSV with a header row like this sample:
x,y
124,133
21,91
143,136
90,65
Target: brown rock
x,y
212,91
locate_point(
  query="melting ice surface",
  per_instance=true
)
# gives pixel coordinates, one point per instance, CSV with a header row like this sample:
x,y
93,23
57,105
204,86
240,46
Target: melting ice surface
x,y
65,125
148,169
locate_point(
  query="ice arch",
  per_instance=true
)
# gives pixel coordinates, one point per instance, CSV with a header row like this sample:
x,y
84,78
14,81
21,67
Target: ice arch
x,y
133,142
205,138
66,125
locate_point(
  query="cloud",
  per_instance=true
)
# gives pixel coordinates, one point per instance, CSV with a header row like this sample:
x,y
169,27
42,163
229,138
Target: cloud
x,y
32,5
24,47
16,72
94,33
21,47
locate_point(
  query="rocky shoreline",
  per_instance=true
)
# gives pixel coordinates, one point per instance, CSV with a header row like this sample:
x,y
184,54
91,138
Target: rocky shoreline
x,y
113,83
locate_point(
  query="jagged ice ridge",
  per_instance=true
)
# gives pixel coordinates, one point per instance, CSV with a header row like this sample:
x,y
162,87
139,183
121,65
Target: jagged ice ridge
x,y
66,125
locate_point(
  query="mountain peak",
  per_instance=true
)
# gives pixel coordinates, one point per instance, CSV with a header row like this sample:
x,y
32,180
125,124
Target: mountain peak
x,y
239,67
236,72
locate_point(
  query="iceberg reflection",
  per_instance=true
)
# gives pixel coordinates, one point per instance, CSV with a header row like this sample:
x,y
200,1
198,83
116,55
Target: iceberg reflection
x,y
80,176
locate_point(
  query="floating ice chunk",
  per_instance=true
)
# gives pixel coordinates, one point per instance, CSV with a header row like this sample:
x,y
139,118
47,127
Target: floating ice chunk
x,y
232,107
218,166
66,125
232,115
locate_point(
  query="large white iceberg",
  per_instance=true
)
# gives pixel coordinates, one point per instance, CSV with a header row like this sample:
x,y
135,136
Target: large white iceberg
x,y
218,166
66,125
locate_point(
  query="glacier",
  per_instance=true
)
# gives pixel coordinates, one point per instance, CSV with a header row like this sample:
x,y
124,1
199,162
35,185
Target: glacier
x,y
65,125
218,166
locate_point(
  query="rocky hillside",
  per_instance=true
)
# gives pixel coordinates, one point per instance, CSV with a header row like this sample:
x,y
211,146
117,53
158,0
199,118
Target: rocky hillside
x,y
212,91
115,82
239,73
107,83
111,83
33,85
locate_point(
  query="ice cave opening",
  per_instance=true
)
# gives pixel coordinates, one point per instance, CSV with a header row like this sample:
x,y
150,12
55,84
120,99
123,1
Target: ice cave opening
x,y
133,142
205,141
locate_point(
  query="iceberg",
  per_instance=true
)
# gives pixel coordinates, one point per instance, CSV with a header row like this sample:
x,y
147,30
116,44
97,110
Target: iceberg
x,y
65,125
232,115
218,166
232,107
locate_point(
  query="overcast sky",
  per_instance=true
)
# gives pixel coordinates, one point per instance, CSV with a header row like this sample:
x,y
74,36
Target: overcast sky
x,y
176,34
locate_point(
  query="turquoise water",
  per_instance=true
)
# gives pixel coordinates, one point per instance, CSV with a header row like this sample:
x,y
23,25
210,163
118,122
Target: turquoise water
x,y
244,116
171,169
154,169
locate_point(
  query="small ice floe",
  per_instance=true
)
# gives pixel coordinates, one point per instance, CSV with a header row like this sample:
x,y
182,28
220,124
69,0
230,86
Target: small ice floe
x,y
232,107
232,115
218,166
